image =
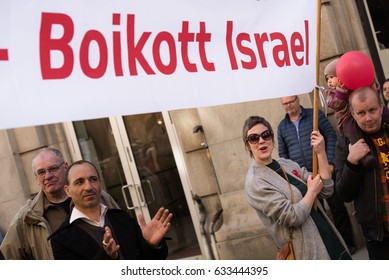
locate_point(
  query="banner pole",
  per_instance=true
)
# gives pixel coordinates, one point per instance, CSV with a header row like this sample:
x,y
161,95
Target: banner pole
x,y
316,90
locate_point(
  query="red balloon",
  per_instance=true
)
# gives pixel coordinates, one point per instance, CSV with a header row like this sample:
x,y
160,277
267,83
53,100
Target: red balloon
x,y
355,69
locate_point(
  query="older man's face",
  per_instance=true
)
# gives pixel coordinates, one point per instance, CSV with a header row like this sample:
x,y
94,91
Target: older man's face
x,y
367,112
49,172
291,105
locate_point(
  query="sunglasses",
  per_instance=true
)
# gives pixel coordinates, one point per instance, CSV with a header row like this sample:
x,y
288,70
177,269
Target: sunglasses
x,y
254,138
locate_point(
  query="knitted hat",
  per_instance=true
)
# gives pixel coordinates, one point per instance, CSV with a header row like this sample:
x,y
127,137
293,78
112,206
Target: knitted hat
x,y
331,68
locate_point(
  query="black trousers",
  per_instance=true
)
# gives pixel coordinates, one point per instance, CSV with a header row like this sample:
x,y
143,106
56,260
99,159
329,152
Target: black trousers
x,y
378,250
341,218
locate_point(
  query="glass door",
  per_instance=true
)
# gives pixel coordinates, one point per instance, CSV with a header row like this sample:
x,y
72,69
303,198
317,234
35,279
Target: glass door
x,y
97,144
138,168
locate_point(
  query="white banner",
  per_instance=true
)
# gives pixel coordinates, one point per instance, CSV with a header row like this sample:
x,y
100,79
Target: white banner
x,y
73,60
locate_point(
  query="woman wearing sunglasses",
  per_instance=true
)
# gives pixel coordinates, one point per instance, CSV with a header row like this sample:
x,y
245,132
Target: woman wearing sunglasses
x,y
269,184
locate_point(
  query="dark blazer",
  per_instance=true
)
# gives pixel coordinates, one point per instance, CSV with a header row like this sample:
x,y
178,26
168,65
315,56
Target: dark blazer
x,y
70,242
363,186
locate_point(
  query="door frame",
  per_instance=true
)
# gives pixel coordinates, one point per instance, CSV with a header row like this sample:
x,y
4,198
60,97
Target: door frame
x,y
123,145
130,169
183,173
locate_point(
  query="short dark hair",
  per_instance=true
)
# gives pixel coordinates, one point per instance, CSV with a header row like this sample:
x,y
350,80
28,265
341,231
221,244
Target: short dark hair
x,y
78,162
250,123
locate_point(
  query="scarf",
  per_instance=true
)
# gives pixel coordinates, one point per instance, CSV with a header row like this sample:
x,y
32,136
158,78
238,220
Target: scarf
x,y
381,143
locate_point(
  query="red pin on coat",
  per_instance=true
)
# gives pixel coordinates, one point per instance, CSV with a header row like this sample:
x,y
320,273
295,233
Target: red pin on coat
x,y
355,69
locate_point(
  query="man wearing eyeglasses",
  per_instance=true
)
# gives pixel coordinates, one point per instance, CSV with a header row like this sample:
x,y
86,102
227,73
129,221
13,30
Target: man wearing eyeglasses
x,y
26,238
93,232
294,133
294,143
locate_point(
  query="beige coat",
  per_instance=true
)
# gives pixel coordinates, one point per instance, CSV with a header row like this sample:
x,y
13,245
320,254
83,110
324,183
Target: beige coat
x,y
269,194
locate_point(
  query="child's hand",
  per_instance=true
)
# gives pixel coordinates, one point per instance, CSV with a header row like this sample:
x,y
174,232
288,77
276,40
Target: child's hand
x,y
342,92
341,85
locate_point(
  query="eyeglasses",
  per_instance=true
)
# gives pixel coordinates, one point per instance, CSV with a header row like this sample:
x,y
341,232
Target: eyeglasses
x,y
254,138
52,169
289,103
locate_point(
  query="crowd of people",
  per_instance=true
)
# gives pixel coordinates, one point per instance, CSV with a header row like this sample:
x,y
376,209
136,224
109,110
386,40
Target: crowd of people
x,y
353,166
72,218
294,142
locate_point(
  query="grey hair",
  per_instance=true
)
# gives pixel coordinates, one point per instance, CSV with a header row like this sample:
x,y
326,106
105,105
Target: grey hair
x,y
56,152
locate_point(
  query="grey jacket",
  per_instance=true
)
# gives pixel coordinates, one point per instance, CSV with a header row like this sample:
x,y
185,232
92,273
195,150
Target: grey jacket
x,y
269,194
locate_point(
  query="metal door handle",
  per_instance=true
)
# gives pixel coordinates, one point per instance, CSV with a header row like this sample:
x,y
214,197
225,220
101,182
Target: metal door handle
x,y
140,195
151,191
125,197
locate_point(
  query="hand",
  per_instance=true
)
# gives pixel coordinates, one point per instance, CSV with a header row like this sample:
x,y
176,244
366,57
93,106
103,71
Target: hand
x,y
154,231
109,244
317,142
314,185
341,85
357,151
332,168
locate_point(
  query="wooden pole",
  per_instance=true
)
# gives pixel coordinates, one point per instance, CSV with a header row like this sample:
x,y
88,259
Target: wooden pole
x,y
316,90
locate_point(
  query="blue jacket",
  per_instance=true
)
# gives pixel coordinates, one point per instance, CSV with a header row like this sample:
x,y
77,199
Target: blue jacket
x,y
297,146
